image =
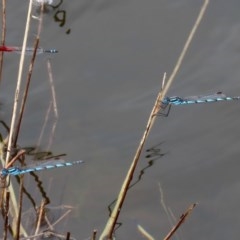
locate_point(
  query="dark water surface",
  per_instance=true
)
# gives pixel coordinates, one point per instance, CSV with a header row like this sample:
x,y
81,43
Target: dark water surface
x,y
107,75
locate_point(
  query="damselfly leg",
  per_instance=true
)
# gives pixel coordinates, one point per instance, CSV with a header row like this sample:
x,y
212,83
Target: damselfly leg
x,y
164,109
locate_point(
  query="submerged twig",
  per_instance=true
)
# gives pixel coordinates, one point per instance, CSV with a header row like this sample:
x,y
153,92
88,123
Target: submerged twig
x,y
180,222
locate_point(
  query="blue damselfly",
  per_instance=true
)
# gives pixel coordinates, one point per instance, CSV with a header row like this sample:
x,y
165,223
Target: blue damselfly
x,y
169,101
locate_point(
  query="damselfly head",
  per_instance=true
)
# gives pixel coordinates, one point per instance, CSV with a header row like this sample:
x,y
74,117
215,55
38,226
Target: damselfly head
x,y
174,99
166,100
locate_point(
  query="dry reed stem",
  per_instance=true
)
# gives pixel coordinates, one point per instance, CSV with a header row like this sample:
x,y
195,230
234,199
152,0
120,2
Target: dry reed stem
x,y
109,228
16,101
3,35
145,233
19,80
94,234
68,236
185,48
30,70
5,233
25,94
18,225
180,222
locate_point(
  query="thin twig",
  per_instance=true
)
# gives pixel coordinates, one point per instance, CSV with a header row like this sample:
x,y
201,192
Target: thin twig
x,y
165,208
19,80
19,154
185,48
40,217
5,233
3,35
145,233
18,224
180,222
68,236
94,234
30,70
44,125
14,211
25,94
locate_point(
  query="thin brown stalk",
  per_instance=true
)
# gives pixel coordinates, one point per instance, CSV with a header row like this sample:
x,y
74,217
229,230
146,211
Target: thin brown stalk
x,y
25,94
109,228
20,200
94,235
15,110
19,154
3,35
185,48
44,124
5,233
30,70
68,236
180,222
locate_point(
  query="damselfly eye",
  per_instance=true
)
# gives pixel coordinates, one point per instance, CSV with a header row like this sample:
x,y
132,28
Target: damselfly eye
x,y
174,99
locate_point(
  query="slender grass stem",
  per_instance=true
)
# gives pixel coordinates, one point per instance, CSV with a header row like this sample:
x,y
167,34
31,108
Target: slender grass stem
x,y
3,35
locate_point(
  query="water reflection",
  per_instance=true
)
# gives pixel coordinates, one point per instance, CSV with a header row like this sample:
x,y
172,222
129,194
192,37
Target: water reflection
x,y
53,7
154,154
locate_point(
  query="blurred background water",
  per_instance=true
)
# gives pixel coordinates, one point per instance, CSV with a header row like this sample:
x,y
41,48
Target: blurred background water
x,y
112,56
